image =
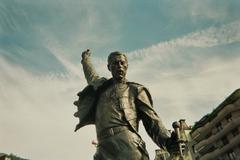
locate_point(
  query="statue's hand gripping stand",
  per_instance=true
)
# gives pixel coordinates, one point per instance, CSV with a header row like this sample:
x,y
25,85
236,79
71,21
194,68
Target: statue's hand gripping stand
x,y
178,149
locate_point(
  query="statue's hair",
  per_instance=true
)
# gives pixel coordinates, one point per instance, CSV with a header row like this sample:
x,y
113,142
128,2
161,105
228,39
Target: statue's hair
x,y
116,53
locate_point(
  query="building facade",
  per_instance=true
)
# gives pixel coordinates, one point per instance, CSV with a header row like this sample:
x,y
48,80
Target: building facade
x,y
217,135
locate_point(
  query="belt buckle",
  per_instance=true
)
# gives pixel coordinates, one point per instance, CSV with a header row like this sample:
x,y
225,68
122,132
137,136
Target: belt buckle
x,y
111,132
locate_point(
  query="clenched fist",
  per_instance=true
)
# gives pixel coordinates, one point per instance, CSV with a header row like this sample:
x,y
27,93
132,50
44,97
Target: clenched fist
x,y
86,54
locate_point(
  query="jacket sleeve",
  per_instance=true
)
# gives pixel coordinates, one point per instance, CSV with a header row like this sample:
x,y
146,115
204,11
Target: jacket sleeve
x,y
151,121
89,70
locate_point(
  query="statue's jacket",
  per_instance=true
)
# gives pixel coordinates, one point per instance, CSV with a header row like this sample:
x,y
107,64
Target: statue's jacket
x,y
88,99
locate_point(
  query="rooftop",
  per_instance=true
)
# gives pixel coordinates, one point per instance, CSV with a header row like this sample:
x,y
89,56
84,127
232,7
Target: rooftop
x,y
207,118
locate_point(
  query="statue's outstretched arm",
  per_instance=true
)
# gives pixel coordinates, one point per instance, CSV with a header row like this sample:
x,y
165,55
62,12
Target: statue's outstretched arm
x,y
88,68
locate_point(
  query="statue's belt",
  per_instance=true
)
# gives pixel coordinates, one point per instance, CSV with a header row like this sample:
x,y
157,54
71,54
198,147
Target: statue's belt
x,y
110,132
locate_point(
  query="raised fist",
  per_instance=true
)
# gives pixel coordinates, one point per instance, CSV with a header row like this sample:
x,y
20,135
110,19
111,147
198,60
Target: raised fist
x,y
86,54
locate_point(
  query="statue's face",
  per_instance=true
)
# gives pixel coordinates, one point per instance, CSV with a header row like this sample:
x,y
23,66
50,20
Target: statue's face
x,y
118,67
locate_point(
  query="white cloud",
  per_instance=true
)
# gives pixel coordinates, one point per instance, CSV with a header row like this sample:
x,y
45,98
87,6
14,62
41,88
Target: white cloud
x,y
36,118
186,72
188,77
213,36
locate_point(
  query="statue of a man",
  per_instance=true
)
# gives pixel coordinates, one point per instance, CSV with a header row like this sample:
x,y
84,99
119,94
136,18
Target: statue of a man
x,y
116,106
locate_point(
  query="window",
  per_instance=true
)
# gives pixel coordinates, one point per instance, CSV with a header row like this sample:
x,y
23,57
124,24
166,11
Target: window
x,y
225,140
208,135
235,132
229,117
231,155
194,149
219,127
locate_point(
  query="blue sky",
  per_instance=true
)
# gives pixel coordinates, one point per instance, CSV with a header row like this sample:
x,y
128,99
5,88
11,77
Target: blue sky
x,y
186,52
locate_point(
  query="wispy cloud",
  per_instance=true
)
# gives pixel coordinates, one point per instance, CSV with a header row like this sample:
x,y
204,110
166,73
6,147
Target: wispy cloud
x,y
188,76
213,36
185,72
37,115
26,27
184,82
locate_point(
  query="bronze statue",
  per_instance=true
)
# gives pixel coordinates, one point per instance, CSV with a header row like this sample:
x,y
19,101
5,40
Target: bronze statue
x,y
116,106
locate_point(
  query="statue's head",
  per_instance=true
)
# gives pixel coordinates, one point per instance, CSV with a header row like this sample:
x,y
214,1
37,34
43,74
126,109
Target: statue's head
x,y
118,65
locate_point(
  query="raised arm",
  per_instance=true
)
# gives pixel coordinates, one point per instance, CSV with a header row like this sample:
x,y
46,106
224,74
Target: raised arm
x,y
88,69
